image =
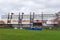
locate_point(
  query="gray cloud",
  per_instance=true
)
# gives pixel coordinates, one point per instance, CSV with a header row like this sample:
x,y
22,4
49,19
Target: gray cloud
x,y
47,6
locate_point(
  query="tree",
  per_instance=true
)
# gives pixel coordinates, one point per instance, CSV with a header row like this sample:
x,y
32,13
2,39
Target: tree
x,y
57,20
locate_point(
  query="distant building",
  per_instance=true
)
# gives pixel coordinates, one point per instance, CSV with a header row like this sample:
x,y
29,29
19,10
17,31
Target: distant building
x,y
43,19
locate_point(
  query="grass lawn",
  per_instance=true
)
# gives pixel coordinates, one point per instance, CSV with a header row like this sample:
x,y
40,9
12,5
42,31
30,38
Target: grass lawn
x,y
17,34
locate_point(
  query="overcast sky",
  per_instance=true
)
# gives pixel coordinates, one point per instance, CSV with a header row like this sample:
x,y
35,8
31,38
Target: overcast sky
x,y
38,6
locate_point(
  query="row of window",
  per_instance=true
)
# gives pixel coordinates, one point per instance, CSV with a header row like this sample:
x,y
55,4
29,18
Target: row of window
x,y
28,16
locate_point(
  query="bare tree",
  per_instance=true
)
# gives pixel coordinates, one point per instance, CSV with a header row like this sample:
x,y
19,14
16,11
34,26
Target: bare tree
x,y
57,20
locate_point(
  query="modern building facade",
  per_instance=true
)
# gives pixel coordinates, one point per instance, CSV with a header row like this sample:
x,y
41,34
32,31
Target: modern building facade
x,y
29,20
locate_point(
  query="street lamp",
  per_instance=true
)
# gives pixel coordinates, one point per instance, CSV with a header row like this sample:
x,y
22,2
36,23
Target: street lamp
x,y
8,21
22,15
11,18
22,18
33,17
11,15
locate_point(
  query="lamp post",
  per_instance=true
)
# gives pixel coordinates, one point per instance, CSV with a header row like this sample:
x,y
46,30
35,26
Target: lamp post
x,y
22,18
19,20
30,19
22,15
11,15
33,17
11,18
8,21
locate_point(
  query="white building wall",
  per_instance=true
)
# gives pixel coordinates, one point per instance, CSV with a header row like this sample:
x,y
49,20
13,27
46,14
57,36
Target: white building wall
x,y
14,19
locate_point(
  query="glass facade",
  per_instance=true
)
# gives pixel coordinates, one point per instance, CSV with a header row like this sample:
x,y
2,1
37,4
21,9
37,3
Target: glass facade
x,y
36,16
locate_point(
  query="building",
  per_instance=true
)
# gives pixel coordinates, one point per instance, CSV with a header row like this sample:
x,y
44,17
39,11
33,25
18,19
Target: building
x,y
29,20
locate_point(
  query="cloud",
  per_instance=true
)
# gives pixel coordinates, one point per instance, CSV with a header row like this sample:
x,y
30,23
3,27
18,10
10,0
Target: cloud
x,y
16,6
